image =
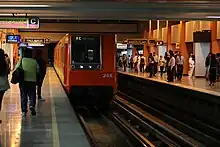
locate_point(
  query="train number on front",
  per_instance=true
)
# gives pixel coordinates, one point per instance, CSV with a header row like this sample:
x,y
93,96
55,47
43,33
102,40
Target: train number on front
x,y
107,76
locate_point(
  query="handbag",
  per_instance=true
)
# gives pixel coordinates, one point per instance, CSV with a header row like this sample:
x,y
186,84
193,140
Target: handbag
x,y
18,75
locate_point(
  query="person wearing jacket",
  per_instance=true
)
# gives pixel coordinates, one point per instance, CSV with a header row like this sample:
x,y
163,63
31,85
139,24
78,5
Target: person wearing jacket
x,y
42,72
28,86
4,70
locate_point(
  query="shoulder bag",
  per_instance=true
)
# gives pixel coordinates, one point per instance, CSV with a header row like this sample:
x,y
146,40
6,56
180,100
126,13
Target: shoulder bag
x,y
18,75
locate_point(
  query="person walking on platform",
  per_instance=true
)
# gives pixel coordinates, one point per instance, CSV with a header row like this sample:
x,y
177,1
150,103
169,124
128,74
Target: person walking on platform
x,y
212,70
28,86
8,62
180,64
4,70
151,65
142,63
171,67
42,72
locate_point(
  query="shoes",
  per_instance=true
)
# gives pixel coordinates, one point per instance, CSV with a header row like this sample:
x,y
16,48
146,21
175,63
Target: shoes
x,y
23,114
33,112
40,98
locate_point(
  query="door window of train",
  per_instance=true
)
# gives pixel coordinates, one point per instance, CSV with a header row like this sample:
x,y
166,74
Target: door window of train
x,y
86,49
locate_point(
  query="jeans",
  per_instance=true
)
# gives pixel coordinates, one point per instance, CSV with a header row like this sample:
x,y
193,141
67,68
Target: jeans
x,y
179,71
1,98
40,79
27,89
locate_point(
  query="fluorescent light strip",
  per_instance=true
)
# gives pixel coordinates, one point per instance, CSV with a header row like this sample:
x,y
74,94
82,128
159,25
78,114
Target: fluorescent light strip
x,y
22,6
213,17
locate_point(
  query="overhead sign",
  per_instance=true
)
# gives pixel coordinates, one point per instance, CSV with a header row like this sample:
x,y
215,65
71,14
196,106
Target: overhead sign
x,y
19,23
122,46
34,40
137,41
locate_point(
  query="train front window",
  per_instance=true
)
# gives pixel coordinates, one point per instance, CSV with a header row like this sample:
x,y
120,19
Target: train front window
x,y
86,52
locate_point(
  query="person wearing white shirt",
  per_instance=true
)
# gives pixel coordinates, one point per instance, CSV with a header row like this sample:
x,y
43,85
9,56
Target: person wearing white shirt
x,y
162,65
180,64
191,66
155,63
171,67
142,63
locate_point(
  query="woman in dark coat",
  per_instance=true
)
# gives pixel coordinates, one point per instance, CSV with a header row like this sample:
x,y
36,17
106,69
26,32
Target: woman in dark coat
x,y
212,70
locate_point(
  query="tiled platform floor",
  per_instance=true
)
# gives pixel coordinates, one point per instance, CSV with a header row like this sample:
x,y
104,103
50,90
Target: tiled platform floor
x,y
198,84
55,124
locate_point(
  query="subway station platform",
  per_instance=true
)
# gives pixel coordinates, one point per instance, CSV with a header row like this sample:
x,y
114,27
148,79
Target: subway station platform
x,y
55,124
197,84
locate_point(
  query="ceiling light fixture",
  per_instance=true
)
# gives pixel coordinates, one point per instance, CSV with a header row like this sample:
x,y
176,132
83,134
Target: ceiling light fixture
x,y
25,6
213,17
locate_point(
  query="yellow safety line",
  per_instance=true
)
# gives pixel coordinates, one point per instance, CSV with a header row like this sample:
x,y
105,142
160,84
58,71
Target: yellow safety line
x,y
56,140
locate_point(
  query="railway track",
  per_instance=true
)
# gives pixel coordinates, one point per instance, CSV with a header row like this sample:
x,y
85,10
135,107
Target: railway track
x,y
101,131
198,133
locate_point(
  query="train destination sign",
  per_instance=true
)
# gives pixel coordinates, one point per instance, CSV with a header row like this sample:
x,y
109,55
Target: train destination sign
x,y
19,23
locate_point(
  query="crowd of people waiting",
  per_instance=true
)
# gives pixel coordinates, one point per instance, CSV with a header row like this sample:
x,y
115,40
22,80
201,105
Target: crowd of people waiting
x,y
173,64
34,69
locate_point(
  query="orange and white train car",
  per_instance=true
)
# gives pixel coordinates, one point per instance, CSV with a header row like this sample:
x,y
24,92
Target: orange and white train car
x,y
86,65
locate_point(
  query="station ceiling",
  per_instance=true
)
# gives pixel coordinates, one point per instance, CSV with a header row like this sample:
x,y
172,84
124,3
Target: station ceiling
x,y
112,9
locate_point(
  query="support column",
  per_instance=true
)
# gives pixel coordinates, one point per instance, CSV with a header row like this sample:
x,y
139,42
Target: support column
x,y
183,48
169,46
214,46
151,48
145,50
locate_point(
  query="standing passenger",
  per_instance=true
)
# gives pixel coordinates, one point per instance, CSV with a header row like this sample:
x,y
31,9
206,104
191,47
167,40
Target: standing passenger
x,y
135,60
28,87
151,65
180,64
4,84
155,63
142,63
42,72
124,62
191,66
171,67
212,70
161,64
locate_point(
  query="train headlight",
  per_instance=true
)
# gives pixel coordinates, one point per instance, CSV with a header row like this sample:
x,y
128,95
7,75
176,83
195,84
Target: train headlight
x,y
81,66
98,66
90,66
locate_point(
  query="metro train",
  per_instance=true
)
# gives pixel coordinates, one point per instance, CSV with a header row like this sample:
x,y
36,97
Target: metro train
x,y
86,66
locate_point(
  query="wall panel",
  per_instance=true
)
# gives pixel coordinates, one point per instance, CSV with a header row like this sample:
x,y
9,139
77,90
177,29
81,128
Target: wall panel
x,y
175,33
154,34
164,35
205,25
159,34
218,29
189,31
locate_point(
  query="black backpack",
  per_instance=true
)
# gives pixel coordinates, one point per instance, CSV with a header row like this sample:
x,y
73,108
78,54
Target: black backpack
x,y
142,61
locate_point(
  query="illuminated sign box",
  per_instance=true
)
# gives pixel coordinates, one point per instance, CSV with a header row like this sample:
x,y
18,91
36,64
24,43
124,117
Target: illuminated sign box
x,y
31,40
19,23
